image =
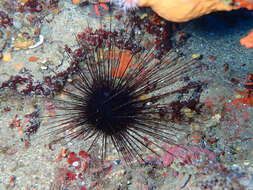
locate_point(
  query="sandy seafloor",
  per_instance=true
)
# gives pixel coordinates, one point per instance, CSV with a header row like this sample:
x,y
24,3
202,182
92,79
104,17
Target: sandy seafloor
x,y
215,37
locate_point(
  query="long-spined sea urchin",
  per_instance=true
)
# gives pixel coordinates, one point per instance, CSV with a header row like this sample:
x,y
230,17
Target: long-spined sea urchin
x,y
122,94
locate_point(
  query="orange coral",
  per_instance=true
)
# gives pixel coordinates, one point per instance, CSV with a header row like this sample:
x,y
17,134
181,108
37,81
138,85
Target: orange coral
x,y
33,59
96,8
248,4
248,40
75,1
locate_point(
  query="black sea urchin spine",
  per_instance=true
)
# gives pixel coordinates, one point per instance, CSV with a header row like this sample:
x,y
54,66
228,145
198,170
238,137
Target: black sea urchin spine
x,y
121,97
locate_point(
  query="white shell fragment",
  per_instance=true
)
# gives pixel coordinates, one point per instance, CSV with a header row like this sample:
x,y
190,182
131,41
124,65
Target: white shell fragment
x,y
41,40
43,67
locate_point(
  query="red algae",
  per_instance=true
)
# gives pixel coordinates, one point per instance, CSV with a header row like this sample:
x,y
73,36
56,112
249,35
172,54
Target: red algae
x,y
247,94
5,20
247,98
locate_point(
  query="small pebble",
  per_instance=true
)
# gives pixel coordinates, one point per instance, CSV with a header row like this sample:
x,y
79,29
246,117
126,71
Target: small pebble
x,y
75,164
196,56
43,67
217,117
69,80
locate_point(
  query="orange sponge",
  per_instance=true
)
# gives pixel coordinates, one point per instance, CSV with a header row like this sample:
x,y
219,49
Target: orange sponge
x,y
248,40
184,10
248,4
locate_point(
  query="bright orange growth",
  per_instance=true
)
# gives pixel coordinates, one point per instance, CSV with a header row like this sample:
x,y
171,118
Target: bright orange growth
x,y
75,1
96,8
248,40
247,98
124,63
248,4
33,59
196,136
104,6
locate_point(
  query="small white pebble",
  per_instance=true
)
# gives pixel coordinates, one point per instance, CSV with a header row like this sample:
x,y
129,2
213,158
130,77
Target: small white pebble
x,y
129,183
83,183
75,164
44,60
217,117
43,67
148,103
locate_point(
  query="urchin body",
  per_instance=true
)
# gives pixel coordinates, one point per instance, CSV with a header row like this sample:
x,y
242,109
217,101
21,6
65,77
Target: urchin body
x,y
108,109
